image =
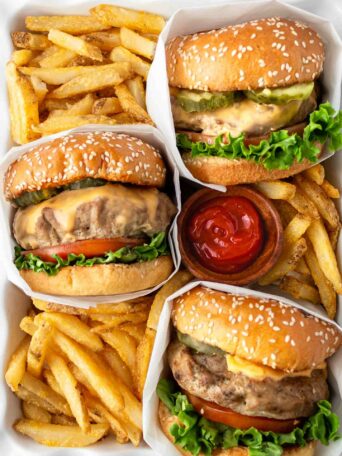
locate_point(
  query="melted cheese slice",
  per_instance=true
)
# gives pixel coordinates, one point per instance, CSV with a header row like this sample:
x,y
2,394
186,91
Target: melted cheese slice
x,y
238,365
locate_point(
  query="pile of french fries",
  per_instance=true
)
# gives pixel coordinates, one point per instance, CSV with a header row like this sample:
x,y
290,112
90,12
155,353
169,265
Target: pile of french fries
x,y
307,268
69,71
80,373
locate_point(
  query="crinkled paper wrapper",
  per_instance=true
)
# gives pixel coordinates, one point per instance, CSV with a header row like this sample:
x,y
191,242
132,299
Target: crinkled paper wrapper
x,y
191,20
7,242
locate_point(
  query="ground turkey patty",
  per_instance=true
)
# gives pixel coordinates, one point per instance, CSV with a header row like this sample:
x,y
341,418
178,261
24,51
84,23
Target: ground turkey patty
x,y
206,376
110,211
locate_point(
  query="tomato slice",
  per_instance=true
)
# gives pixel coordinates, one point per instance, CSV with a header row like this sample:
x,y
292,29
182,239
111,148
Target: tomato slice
x,y
227,416
90,248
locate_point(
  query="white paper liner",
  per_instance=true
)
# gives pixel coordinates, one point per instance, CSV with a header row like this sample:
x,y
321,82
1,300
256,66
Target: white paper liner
x,y
191,20
159,368
146,133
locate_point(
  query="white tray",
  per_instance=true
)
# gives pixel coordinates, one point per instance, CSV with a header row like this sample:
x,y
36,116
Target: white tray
x,y
13,303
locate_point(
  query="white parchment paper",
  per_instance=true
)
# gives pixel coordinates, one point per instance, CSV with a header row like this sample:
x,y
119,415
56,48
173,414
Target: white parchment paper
x,y
159,368
191,20
7,242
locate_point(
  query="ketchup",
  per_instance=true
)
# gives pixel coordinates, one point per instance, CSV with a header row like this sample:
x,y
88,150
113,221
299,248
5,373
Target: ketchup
x,y
226,233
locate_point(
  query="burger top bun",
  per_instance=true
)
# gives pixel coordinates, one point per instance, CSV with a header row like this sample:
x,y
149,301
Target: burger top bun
x,y
107,155
271,52
167,420
263,331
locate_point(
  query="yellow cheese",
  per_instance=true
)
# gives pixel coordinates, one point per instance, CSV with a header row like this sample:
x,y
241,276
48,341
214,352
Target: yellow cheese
x,y
239,365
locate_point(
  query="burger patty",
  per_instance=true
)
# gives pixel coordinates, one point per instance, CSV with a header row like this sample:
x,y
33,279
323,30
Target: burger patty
x,y
245,116
206,376
110,211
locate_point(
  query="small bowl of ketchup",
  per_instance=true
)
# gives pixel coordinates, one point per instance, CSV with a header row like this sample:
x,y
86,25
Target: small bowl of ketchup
x,y
233,237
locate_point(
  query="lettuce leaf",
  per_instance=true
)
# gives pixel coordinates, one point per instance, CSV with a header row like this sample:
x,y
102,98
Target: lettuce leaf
x,y
198,435
281,149
157,247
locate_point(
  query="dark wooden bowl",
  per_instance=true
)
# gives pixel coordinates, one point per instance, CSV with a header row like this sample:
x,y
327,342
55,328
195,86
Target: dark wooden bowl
x,y
273,237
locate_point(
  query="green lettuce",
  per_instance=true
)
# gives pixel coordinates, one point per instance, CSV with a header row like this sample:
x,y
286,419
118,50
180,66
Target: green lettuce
x,y
281,149
157,247
198,435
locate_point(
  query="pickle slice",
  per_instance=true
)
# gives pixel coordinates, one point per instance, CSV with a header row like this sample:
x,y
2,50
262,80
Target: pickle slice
x,y
85,183
281,95
197,101
198,346
29,198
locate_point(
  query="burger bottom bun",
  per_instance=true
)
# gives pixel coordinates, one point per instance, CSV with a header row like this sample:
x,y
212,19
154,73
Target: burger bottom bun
x,y
223,171
167,420
104,279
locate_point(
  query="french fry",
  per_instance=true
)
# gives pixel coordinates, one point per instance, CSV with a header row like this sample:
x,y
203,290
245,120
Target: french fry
x,y
315,173
296,229
141,21
57,76
50,125
76,25
59,435
317,195
94,80
116,320
325,255
129,104
28,326
330,190
23,102
113,359
300,290
64,420
286,211
277,189
39,88
135,330
95,375
136,87
32,41
71,392
303,204
17,365
137,43
75,44
106,106
22,57
325,288
105,41
132,306
286,263
52,382
59,58
40,55
74,328
27,396
143,357
38,348
302,267
124,344
52,307
82,107
333,236
33,412
120,54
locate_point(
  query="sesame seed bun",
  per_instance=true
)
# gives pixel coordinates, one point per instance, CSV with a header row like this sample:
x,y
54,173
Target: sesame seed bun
x,y
108,279
167,420
115,157
263,331
271,52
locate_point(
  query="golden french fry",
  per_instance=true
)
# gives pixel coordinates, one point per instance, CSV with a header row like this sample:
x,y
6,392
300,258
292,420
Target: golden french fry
x,y
52,307
82,107
64,420
181,278
143,357
135,330
116,320
315,173
124,344
303,204
22,57
137,43
120,54
33,412
286,263
130,105
117,16
302,267
32,41
286,211
60,436
325,288
95,375
317,195
52,382
113,359
94,80
17,365
38,348
300,290
75,44
132,306
106,41
325,255
59,58
71,392
74,328
28,326
39,88
276,189
330,190
136,87
76,25
296,229
27,396
50,125
106,106
333,236
23,103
